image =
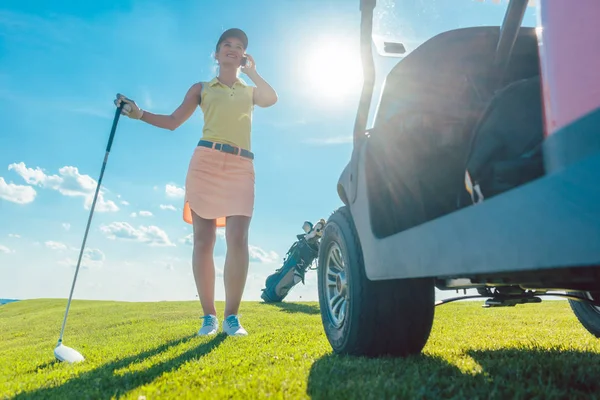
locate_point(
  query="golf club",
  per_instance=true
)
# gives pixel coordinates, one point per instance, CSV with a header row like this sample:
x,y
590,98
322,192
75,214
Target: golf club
x,y
62,352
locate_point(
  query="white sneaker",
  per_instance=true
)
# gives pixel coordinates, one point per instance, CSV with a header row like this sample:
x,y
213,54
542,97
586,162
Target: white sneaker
x,y
210,325
232,326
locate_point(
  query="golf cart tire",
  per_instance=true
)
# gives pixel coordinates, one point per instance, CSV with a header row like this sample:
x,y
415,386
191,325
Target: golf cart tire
x,y
383,318
587,314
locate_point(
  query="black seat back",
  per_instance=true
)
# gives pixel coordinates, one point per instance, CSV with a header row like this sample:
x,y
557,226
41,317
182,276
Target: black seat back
x,y
505,150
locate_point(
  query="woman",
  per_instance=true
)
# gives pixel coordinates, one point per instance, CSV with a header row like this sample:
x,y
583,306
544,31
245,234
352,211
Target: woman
x,y
219,184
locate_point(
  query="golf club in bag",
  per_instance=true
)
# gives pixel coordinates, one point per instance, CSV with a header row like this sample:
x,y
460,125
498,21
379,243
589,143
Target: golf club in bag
x,y
299,259
62,352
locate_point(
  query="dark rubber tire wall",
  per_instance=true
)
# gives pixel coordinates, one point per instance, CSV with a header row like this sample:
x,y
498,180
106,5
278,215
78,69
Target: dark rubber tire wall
x,y
587,315
384,318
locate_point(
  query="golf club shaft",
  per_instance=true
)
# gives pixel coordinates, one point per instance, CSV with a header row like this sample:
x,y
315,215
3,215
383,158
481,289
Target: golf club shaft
x,y
93,206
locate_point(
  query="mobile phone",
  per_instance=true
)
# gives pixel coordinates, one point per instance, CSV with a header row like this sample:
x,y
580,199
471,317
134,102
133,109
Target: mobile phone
x,y
244,61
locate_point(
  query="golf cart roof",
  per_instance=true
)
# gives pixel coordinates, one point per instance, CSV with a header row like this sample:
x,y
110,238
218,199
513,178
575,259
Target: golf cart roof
x,y
412,22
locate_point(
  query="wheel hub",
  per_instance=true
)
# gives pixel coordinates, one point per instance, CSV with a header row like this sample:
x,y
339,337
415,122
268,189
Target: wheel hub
x,y
340,282
336,289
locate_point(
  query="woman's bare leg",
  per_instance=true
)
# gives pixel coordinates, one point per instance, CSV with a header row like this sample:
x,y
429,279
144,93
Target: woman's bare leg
x,y
236,262
203,263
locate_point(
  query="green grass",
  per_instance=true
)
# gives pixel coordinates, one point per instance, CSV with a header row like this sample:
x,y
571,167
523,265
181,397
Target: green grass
x,y
149,349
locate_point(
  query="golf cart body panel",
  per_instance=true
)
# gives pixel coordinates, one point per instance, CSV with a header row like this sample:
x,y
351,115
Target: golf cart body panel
x,y
548,224
509,233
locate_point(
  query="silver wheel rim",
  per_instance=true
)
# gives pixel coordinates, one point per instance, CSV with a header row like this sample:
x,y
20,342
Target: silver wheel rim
x,y
336,286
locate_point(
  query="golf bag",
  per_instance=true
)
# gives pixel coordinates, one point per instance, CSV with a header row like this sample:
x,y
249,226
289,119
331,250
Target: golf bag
x,y
298,260
506,148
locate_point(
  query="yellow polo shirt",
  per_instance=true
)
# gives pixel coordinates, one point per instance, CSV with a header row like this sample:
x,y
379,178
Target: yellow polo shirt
x,y
227,113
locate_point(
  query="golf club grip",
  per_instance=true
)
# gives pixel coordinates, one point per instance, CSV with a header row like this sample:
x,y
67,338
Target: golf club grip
x,y
114,127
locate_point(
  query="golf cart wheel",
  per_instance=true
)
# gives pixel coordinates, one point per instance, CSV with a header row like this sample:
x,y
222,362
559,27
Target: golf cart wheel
x,y
363,317
587,314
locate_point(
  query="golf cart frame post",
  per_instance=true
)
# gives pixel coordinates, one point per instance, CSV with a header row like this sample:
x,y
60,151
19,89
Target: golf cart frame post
x,y
535,217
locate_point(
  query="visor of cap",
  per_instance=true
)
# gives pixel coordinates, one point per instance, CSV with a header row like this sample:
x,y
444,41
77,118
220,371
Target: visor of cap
x,y
234,32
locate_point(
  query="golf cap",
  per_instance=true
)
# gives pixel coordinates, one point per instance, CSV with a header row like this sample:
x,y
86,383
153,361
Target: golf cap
x,y
236,33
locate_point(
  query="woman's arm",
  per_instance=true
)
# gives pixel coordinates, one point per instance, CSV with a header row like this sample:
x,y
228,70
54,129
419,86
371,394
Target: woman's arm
x,y
264,95
172,121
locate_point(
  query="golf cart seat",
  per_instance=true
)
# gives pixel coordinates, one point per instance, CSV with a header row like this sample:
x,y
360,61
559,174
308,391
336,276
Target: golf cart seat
x,y
505,150
417,153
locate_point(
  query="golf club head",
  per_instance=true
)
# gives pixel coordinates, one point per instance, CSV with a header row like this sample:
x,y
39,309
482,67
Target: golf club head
x,y
66,354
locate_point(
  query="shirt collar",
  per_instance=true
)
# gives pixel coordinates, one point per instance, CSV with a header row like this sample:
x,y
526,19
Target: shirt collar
x,y
215,81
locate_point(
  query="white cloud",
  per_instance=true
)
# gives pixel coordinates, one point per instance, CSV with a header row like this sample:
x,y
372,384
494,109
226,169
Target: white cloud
x,y
69,183
20,194
6,250
259,255
151,235
189,239
171,263
125,202
66,225
167,207
94,254
326,141
141,214
55,245
174,191
101,204
92,258
35,176
14,235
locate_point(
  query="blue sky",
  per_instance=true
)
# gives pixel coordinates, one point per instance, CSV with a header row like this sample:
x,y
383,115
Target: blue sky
x,y
62,63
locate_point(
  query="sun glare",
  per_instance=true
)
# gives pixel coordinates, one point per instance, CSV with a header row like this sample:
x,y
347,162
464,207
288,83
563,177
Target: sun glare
x,y
333,69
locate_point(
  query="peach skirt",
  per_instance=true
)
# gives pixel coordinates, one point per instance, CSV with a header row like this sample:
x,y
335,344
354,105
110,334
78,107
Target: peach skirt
x,y
218,185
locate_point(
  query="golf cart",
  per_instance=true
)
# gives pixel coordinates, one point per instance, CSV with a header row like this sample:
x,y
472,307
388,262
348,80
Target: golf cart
x,y
481,170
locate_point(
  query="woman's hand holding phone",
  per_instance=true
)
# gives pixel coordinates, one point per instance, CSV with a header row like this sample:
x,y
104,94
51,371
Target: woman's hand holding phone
x,y
248,66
